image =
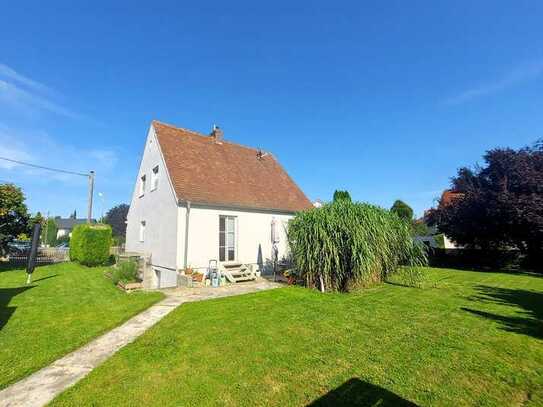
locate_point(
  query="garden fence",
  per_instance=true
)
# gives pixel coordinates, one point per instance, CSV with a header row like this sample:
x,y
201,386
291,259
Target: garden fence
x,y
46,255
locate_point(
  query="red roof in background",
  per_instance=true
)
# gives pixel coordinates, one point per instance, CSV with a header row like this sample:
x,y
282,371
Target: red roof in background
x,y
448,196
207,171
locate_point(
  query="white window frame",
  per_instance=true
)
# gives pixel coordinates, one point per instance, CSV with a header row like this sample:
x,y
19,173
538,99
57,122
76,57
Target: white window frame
x,y
234,239
143,182
143,224
154,177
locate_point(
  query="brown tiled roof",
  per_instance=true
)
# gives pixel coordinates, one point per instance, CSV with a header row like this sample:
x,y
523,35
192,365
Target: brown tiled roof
x,y
448,197
222,173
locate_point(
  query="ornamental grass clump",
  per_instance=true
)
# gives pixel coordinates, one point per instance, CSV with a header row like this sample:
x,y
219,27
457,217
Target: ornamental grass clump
x,y
345,244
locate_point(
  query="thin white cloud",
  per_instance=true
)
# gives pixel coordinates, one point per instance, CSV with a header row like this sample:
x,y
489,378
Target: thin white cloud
x,y
512,78
10,73
16,97
26,96
105,159
59,193
14,154
27,145
11,147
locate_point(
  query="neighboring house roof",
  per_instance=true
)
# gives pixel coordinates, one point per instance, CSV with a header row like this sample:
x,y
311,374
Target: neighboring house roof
x,y
70,223
207,170
448,197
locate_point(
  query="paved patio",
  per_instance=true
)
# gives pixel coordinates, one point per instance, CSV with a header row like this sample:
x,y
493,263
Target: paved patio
x,y
205,293
44,385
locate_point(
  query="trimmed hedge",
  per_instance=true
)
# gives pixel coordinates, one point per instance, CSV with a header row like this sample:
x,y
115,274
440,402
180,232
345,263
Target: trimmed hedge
x,y
90,244
475,259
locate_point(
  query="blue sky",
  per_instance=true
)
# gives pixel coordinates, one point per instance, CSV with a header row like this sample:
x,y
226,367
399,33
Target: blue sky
x,y
384,99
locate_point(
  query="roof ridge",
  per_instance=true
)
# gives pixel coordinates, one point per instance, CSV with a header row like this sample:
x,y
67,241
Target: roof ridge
x,y
197,133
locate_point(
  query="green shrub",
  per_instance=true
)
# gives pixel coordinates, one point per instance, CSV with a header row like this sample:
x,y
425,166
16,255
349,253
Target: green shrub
x,y
339,195
90,244
409,276
126,272
344,244
440,241
118,240
403,210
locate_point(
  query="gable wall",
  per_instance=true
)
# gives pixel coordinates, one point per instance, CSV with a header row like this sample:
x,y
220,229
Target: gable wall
x,y
158,209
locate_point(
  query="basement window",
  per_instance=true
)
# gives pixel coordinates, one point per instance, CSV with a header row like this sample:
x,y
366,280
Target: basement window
x,y
227,238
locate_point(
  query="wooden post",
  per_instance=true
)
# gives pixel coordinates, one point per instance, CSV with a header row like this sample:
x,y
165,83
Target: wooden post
x,y
91,193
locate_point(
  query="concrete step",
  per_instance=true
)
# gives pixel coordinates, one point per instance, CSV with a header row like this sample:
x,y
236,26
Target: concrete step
x,y
246,278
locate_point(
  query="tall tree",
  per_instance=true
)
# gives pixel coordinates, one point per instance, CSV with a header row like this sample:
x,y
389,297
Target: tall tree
x,y
403,210
38,218
49,232
13,214
499,204
341,195
116,218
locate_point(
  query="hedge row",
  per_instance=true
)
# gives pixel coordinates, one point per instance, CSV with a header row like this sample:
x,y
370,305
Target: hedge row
x,y
90,244
475,259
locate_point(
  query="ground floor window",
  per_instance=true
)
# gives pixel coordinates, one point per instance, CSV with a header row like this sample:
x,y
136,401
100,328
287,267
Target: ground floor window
x,y
142,231
227,238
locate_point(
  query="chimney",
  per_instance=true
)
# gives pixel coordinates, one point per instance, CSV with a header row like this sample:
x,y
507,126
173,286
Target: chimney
x,y
217,134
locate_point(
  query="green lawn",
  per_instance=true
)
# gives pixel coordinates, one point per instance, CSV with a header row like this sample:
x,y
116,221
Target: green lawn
x,y
466,338
65,307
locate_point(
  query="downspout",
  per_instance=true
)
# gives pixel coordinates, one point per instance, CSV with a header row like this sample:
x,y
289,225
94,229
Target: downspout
x,y
187,219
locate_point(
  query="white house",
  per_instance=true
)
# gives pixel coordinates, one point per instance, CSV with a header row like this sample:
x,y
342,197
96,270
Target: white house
x,y
65,226
200,198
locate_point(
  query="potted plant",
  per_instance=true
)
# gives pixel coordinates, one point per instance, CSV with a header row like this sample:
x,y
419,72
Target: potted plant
x,y
198,277
125,276
291,276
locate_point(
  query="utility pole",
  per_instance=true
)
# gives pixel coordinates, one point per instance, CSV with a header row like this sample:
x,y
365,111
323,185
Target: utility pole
x,y
91,193
47,229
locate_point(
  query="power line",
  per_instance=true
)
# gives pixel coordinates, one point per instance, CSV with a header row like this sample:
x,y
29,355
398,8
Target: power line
x,y
81,174
90,177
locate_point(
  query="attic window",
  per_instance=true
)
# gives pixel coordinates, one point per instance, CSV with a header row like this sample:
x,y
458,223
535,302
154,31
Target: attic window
x,y
154,178
143,181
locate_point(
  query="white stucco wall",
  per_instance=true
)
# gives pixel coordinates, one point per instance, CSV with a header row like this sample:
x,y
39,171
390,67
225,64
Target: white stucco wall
x,y
158,208
253,230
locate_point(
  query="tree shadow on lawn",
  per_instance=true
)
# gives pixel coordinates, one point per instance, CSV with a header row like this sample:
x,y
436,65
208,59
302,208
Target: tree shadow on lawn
x,y
6,294
44,278
531,303
9,266
355,392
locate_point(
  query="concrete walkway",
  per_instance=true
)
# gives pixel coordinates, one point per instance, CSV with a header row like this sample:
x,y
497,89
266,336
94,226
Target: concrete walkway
x,y
43,386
